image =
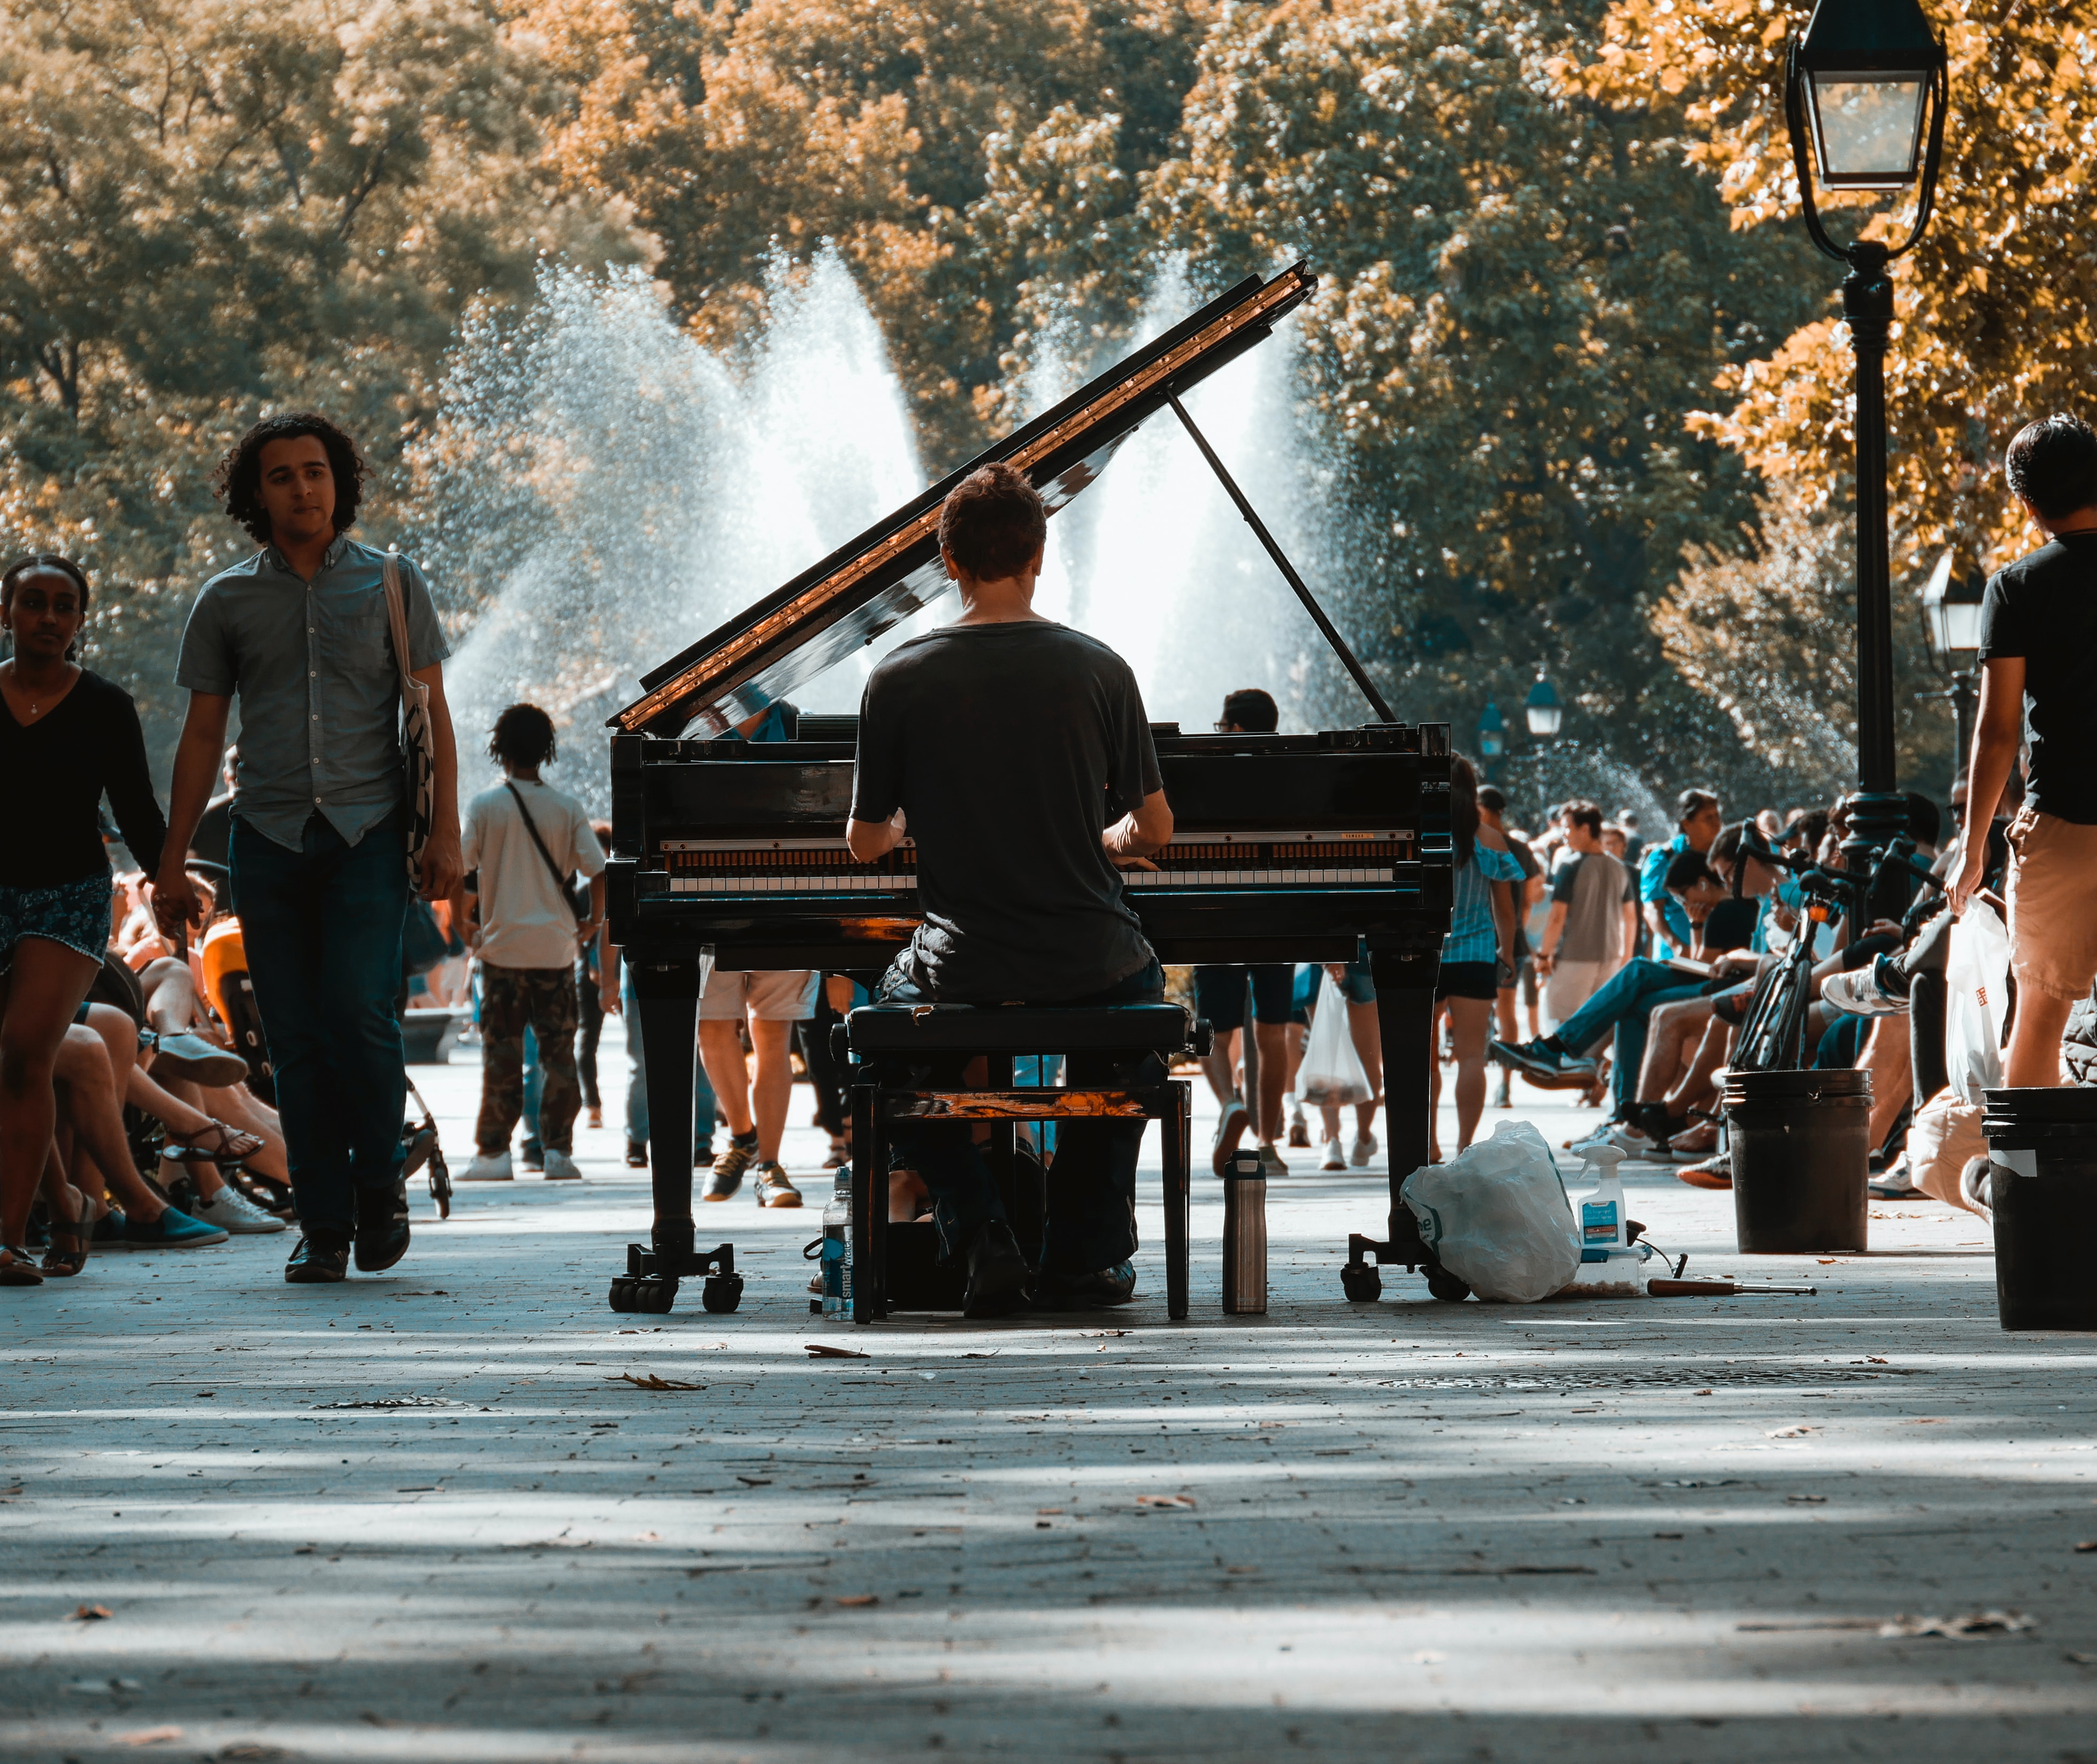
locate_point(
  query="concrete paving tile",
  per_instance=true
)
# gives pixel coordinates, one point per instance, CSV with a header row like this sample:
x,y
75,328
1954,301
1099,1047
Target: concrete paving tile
x,y
428,1516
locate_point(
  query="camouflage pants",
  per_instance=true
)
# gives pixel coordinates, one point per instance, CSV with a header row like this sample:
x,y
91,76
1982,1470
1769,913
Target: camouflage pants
x,y
511,998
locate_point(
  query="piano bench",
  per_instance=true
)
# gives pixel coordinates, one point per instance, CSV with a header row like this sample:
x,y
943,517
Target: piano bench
x,y
1165,1030
894,1042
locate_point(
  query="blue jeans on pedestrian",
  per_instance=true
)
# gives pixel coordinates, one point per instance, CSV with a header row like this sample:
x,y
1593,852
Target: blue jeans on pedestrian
x,y
321,928
637,1082
1625,1002
1091,1220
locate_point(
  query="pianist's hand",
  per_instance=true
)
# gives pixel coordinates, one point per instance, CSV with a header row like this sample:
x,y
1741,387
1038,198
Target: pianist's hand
x,y
1131,862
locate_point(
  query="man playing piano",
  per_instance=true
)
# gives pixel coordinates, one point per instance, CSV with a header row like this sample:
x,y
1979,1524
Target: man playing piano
x,y
1005,742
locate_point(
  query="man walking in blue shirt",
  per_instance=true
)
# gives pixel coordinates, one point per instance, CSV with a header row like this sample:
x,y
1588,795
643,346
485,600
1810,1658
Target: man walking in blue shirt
x,y
300,633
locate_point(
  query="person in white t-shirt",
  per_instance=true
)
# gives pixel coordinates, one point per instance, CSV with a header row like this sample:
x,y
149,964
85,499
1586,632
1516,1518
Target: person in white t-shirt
x,y
524,841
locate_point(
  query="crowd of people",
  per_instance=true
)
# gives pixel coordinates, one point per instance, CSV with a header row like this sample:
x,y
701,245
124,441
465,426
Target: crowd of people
x,y
173,1072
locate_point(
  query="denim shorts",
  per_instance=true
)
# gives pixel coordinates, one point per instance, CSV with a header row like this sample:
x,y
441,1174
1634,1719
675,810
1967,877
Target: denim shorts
x,y
74,913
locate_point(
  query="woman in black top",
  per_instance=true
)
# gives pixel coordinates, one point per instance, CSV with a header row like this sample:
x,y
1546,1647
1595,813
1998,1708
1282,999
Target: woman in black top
x,y
66,737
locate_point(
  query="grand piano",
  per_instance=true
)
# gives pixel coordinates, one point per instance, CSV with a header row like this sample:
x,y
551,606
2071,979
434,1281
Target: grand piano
x,y
1311,847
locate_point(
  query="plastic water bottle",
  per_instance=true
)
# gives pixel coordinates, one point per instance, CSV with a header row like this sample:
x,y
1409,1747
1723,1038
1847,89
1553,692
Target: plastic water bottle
x,y
1602,1225
836,1249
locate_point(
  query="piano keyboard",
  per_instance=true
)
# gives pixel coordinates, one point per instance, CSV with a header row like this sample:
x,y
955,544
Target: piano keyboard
x,y
835,883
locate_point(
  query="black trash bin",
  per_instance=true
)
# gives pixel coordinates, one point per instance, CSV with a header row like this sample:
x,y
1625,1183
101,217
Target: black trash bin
x,y
1802,1157
2042,1189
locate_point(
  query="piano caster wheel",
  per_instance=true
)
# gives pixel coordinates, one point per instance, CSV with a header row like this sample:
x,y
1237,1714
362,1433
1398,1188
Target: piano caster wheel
x,y
658,1296
625,1294
1361,1283
721,1293
1442,1284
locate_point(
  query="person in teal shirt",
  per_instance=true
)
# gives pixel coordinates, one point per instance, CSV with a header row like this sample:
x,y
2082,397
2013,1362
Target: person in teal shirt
x,y
1697,821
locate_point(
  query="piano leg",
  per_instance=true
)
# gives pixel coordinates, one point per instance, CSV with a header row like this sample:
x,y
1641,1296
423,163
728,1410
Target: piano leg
x,y
1405,1019
1405,1024
667,994
1176,1134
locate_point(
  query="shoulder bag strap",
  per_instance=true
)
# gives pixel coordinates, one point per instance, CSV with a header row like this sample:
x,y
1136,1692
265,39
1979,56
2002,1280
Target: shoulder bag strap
x,y
553,869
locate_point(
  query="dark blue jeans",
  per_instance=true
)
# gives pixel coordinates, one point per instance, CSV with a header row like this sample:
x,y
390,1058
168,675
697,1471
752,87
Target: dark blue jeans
x,y
1091,1218
1625,1002
321,926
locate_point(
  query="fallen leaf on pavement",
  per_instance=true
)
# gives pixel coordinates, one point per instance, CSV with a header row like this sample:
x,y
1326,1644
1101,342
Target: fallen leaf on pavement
x,y
2087,1548
91,1613
1790,1433
149,1736
1807,1500
651,1383
860,1598
1165,1500
1971,1623
824,1351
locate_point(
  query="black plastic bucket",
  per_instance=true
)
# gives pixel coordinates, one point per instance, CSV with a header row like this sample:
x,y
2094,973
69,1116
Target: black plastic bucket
x,y
1801,1156
2042,1189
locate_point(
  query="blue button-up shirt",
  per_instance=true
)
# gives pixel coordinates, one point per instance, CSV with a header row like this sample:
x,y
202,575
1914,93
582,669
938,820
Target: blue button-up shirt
x,y
320,695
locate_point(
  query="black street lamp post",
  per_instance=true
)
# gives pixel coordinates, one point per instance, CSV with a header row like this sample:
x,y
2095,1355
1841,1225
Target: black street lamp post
x,y
1951,620
1860,84
1542,714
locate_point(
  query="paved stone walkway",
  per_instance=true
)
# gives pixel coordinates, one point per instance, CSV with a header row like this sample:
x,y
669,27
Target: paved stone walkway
x,y
430,1516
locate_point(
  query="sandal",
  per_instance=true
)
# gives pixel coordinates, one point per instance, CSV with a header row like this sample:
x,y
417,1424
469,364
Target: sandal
x,y
235,1146
67,1254
16,1269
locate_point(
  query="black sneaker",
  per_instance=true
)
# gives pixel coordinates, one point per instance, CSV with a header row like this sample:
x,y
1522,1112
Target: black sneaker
x,y
320,1258
636,1154
729,1168
382,1227
1114,1285
998,1273
1541,1059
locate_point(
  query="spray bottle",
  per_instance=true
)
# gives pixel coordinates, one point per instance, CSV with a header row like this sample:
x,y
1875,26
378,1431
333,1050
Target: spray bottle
x,y
1611,1265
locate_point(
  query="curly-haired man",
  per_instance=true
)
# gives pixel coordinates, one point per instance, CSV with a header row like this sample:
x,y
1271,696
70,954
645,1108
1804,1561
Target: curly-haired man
x,y
299,632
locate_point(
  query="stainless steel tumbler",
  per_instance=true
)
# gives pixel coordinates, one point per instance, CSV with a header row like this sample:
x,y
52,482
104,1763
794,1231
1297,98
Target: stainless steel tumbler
x,y
1245,1236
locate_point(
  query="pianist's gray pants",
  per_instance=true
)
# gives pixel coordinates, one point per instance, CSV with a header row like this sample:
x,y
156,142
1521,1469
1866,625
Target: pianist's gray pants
x,y
1091,1221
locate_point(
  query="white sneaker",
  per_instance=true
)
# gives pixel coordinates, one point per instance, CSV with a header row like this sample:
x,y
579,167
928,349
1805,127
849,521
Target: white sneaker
x,y
1627,1140
1335,1159
1299,1129
560,1166
484,1168
1365,1149
231,1210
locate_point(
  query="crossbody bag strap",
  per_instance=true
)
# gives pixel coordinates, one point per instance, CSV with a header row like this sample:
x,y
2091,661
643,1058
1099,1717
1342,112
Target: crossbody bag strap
x,y
553,869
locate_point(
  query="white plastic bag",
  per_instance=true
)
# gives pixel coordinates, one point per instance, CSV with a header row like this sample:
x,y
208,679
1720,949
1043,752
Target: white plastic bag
x,y
1332,1074
1498,1217
1977,982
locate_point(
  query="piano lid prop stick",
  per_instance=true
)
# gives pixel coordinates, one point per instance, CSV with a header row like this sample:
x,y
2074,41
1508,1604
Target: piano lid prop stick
x,y
1288,570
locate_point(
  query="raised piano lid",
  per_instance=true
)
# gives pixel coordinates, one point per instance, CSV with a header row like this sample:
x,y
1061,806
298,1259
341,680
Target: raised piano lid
x,y
873,583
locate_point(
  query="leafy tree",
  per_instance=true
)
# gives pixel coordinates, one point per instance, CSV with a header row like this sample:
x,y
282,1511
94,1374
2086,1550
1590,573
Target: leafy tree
x,y
1529,289
929,139
1993,310
214,208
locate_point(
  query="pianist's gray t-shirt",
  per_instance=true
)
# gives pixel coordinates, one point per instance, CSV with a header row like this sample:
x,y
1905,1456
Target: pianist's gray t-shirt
x,y
1009,747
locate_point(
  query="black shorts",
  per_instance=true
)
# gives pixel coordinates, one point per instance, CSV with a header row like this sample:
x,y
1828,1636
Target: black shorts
x,y
1219,994
1468,979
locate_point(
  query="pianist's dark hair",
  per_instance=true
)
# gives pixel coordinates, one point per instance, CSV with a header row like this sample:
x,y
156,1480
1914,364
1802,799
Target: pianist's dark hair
x,y
523,736
1463,809
237,481
993,523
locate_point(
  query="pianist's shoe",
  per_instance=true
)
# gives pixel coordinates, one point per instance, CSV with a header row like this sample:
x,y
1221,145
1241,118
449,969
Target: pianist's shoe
x,y
1114,1285
998,1273
774,1188
730,1169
